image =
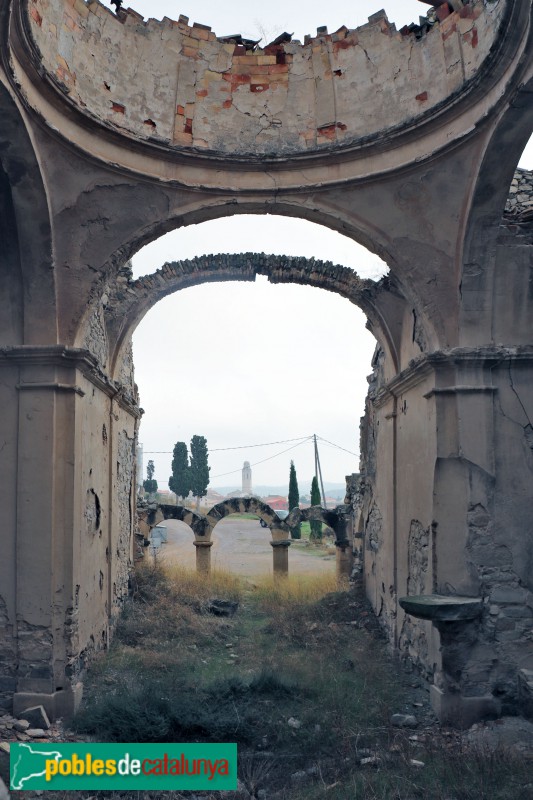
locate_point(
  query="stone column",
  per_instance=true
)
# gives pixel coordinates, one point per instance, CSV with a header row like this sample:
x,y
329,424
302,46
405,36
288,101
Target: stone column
x,y
48,398
344,562
203,557
280,552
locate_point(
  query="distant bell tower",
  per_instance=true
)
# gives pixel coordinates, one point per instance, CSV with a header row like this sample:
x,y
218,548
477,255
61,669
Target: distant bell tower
x,y
247,478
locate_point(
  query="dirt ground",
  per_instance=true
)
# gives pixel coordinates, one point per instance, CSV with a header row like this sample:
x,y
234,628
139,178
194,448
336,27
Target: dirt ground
x,y
241,546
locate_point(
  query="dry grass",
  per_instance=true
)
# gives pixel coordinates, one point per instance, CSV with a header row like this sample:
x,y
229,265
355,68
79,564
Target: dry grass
x,y
299,649
184,585
284,595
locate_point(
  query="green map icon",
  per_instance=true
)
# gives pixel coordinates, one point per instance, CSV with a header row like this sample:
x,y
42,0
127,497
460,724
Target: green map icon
x,y
28,764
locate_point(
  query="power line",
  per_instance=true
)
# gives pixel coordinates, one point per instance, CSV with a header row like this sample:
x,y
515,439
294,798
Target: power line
x,y
234,471
265,444
300,440
338,446
239,447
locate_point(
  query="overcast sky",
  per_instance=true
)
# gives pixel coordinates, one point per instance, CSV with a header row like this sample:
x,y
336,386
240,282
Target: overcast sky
x,y
244,364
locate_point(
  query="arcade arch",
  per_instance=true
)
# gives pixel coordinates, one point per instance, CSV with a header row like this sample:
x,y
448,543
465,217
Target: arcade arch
x,y
121,306
202,527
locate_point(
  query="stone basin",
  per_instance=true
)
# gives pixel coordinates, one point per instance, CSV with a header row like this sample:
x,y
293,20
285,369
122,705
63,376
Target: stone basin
x,y
442,608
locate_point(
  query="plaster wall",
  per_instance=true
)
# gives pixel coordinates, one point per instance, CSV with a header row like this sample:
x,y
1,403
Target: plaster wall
x,y
513,289
500,542
103,546
8,498
186,88
65,554
378,519
459,523
415,551
399,536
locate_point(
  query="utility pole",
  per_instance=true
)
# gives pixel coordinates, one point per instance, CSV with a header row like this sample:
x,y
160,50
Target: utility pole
x,y
318,472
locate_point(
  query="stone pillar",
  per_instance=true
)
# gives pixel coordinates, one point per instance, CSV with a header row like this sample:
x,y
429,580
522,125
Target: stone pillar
x,y
45,533
280,557
68,518
344,562
203,557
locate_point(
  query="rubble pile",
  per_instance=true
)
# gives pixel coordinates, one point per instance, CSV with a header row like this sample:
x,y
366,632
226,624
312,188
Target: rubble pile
x,y
519,205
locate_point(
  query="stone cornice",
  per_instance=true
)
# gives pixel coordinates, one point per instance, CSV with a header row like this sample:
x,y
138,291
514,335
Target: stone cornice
x,y
418,370
59,356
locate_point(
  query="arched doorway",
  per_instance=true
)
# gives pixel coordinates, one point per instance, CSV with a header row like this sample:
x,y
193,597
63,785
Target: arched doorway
x,y
117,164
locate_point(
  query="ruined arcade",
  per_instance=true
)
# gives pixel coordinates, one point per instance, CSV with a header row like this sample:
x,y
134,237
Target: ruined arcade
x,y
407,142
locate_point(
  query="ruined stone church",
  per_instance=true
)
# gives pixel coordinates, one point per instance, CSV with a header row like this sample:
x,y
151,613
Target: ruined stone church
x,y
406,141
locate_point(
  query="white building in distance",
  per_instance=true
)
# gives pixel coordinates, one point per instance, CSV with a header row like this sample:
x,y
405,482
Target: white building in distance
x,y
247,478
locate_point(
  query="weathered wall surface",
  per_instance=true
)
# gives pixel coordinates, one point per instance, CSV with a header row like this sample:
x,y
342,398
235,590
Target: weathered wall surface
x,y
508,578
186,88
9,376
397,508
102,542
67,488
450,511
114,131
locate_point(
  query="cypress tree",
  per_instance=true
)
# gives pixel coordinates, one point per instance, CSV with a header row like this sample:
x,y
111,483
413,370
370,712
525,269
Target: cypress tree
x,y
315,524
199,469
179,481
150,484
294,500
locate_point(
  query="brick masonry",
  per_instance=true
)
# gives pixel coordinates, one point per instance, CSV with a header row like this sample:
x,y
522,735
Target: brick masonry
x,y
196,91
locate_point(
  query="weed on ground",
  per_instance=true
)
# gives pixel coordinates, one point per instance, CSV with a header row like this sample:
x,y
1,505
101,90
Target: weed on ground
x,y
300,677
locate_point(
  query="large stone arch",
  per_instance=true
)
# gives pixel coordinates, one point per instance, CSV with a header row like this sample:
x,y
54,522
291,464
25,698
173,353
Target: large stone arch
x,y
26,265
382,302
417,118
504,142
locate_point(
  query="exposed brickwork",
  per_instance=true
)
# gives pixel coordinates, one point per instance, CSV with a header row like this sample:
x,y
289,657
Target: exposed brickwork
x,y
96,338
207,93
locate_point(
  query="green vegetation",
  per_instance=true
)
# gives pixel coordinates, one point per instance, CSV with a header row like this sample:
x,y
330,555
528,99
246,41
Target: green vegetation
x,y
180,481
150,484
300,678
294,499
199,469
316,525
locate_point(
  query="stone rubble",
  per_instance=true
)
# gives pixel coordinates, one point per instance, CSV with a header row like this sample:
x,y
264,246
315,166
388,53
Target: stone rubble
x,y
519,205
36,717
404,721
13,729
